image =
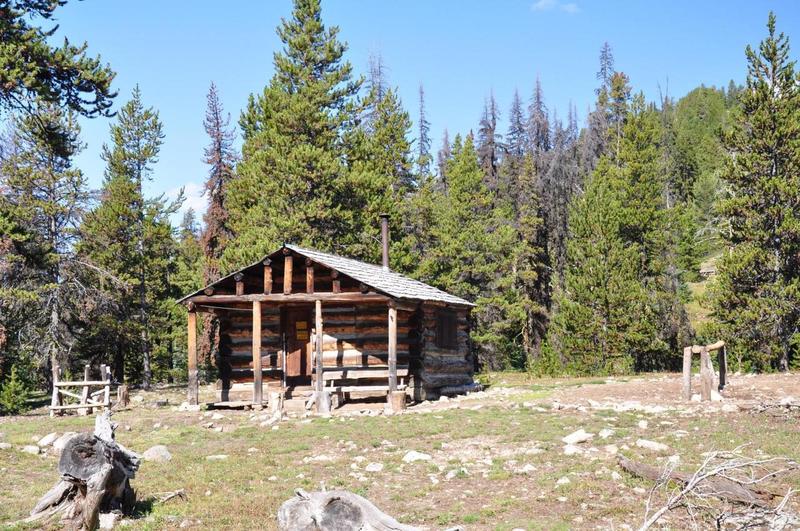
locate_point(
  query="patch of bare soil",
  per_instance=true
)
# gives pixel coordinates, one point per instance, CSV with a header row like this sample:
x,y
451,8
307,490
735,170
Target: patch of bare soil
x,y
665,390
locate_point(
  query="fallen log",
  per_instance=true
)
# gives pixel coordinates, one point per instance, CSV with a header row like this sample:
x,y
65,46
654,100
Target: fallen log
x,y
335,510
719,486
95,477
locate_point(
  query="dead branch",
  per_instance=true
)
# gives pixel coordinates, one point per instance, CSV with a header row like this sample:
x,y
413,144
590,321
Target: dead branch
x,y
729,478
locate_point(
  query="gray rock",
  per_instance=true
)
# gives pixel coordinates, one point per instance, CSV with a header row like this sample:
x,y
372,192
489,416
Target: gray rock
x,y
31,449
48,439
157,454
218,457
5,446
109,520
652,445
413,455
577,437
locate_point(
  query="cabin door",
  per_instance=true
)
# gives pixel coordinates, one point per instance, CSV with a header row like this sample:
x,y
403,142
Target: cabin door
x,y
297,327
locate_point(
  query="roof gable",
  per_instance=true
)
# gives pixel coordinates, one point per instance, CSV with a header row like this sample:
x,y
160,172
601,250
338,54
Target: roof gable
x,y
374,276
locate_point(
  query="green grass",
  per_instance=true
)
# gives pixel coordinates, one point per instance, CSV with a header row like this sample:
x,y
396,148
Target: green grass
x,y
238,493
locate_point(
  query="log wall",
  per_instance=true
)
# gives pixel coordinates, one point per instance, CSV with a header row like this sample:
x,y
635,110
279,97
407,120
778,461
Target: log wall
x,y
442,367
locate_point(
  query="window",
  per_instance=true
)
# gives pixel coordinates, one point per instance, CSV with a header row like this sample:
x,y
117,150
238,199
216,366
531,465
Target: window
x,y
446,330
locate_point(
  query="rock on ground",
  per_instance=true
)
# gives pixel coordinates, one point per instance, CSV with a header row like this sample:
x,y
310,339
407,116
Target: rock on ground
x,y
413,455
158,454
5,446
48,439
31,449
374,467
577,437
217,457
652,445
109,520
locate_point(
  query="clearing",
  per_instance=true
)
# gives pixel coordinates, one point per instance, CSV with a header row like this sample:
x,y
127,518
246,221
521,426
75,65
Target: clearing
x,y
496,457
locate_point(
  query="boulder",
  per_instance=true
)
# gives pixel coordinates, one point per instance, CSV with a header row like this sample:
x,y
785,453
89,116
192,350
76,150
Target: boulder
x,y
31,449
157,454
652,445
413,455
374,467
5,446
577,437
47,440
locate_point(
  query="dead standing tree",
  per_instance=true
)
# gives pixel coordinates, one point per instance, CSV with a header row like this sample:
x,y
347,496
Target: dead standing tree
x,y
95,476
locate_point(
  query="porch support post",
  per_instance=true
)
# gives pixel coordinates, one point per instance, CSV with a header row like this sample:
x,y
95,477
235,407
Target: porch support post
x,y
191,334
323,402
392,348
257,383
396,399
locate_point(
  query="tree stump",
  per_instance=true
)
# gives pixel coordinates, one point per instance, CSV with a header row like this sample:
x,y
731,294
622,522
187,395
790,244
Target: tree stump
x,y
336,510
95,476
122,396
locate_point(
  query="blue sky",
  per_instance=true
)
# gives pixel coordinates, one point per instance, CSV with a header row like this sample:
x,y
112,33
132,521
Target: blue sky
x,y
459,50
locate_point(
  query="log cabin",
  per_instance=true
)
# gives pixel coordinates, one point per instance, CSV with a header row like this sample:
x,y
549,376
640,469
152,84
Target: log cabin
x,y
303,320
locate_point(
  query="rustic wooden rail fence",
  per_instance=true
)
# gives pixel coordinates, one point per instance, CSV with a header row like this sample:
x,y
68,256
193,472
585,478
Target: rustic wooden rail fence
x,y
87,399
707,374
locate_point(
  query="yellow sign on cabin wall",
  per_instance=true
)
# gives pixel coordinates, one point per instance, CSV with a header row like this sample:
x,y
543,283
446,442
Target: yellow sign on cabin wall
x,y
301,330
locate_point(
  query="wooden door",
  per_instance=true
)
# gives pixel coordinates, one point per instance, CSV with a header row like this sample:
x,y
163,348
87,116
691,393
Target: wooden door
x,y
297,327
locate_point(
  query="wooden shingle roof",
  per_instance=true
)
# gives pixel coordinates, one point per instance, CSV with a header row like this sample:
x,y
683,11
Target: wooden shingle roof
x,y
374,276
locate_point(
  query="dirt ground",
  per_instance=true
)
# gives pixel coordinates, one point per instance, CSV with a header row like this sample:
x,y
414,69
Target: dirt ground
x,y
666,390
492,460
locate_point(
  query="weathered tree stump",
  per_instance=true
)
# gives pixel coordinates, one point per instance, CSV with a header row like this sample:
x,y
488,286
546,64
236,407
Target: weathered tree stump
x,y
95,477
122,396
335,510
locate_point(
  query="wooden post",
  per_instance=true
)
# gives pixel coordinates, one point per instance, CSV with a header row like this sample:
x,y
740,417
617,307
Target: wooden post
x,y
392,348
55,401
87,374
706,379
267,276
239,278
105,375
687,373
335,283
318,339
722,361
257,376
122,396
191,335
287,274
309,276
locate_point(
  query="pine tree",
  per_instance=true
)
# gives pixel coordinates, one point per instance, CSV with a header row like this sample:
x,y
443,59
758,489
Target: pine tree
x,y
34,72
130,237
424,140
538,126
221,159
379,174
602,320
44,196
756,293
489,145
291,182
443,157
